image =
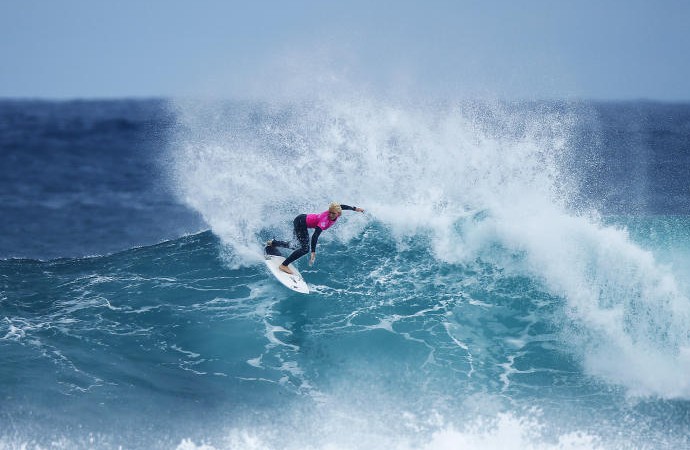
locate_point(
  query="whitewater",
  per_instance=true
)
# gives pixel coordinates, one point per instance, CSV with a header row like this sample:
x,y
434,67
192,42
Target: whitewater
x,y
494,295
490,182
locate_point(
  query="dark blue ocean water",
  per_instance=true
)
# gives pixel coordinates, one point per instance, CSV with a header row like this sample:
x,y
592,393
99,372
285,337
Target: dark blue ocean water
x,y
85,178
519,280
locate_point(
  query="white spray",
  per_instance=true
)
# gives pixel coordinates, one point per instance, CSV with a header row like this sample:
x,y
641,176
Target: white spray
x,y
427,169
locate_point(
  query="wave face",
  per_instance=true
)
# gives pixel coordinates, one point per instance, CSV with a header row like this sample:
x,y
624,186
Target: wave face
x,y
489,297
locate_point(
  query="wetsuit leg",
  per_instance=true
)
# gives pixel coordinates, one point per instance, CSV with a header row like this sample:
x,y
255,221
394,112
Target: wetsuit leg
x,y
302,236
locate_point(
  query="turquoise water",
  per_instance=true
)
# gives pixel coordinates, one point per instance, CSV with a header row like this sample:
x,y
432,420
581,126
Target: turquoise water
x,y
166,346
482,301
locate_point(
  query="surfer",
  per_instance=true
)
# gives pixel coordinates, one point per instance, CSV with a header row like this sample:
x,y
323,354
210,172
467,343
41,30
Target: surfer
x,y
302,223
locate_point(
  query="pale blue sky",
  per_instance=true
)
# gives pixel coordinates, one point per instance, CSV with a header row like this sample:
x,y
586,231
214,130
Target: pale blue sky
x,y
592,49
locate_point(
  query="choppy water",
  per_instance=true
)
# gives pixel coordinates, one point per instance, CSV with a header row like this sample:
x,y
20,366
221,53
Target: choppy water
x,y
520,278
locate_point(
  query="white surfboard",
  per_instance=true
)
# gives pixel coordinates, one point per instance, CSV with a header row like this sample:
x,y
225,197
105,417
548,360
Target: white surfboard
x,y
294,282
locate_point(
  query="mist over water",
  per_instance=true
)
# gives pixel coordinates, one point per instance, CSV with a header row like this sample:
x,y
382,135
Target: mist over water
x,y
510,286
495,182
416,167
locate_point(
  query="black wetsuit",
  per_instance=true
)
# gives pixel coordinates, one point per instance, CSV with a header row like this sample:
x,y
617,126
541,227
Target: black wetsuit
x,y
302,235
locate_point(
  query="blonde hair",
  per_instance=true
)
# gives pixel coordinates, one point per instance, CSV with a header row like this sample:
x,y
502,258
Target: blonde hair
x,y
335,207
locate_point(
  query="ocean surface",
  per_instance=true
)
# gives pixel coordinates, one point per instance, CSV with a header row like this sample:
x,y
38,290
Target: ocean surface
x,y
520,279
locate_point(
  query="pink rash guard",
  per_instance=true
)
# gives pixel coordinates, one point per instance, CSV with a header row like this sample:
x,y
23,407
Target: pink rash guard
x,y
320,220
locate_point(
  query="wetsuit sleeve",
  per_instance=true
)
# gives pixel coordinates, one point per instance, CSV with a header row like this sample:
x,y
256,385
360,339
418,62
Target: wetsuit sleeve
x,y
351,208
315,238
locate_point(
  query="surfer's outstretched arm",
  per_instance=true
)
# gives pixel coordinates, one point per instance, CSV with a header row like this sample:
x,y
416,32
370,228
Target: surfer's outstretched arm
x,y
351,208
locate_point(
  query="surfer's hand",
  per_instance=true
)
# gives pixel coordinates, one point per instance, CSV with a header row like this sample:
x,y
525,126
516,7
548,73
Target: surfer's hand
x,y
312,258
359,210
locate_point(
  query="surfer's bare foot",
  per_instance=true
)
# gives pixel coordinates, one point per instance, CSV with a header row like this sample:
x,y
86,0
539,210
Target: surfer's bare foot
x,y
285,269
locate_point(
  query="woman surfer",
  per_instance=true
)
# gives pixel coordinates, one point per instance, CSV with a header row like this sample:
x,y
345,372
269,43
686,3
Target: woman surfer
x,y
302,223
